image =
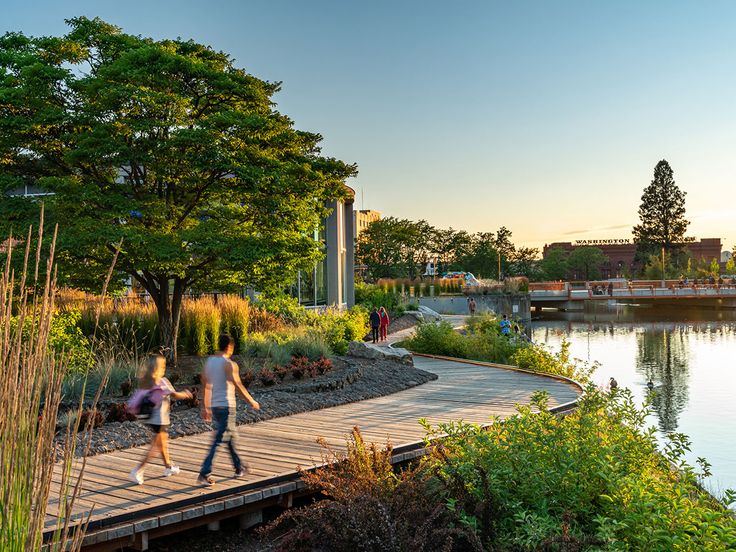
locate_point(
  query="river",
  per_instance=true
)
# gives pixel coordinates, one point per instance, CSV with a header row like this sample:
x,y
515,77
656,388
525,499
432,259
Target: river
x,y
687,353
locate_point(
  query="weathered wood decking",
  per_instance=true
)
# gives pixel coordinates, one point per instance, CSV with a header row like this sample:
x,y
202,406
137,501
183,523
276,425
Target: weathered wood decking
x,y
274,448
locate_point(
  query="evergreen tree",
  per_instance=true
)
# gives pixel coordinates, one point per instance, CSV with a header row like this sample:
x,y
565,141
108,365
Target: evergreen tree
x,y
662,215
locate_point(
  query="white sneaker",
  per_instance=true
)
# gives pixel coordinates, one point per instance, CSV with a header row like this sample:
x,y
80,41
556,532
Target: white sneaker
x,y
171,470
136,476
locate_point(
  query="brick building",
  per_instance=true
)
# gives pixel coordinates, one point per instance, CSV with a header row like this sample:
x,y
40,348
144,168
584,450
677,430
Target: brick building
x,y
620,253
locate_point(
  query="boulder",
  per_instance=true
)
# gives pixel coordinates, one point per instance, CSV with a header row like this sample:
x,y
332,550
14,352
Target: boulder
x,y
369,350
425,314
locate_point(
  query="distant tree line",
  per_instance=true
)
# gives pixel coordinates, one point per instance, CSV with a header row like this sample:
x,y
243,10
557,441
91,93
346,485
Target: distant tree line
x,y
401,248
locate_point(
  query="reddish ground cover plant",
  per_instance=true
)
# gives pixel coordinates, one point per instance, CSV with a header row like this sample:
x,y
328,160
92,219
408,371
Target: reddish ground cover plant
x,y
267,376
368,506
300,367
118,412
91,418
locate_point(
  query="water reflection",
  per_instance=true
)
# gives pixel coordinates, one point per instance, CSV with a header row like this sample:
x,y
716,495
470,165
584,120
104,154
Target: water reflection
x,y
662,357
686,353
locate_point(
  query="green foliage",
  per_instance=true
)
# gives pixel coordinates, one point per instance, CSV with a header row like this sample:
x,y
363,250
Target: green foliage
x,y
480,343
592,478
540,359
370,296
67,339
393,248
200,326
280,348
284,306
338,328
168,148
554,265
585,263
370,507
730,266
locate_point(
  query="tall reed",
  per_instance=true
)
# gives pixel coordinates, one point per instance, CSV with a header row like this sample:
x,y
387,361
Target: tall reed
x,y
200,325
235,314
30,392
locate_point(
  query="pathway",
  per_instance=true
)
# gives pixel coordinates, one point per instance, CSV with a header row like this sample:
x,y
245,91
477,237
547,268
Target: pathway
x,y
274,448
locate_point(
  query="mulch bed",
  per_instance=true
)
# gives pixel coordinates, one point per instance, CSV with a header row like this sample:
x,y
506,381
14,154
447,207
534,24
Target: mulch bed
x,y
352,379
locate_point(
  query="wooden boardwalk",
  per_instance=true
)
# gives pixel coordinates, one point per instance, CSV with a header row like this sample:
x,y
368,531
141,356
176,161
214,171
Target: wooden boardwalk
x,y
274,448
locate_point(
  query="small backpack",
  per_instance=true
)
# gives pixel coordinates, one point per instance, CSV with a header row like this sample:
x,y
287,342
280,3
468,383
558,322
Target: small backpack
x,y
142,403
145,409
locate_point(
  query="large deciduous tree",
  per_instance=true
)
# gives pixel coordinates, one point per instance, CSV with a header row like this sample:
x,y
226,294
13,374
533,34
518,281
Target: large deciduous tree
x,y
169,149
554,265
586,262
662,215
394,248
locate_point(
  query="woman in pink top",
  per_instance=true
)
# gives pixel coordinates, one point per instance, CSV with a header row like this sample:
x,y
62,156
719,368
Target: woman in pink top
x,y
160,392
384,323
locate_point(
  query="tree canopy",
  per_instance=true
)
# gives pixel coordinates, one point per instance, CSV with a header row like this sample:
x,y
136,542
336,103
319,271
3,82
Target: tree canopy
x,y
165,147
401,248
585,262
662,214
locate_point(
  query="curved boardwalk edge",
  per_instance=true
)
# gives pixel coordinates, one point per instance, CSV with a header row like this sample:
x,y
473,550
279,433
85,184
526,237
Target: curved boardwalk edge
x,y
127,514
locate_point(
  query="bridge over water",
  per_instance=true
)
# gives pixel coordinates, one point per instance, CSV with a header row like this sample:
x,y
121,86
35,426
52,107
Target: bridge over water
x,y
575,295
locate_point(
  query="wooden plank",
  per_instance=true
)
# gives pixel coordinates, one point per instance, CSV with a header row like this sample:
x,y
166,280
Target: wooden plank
x,y
276,447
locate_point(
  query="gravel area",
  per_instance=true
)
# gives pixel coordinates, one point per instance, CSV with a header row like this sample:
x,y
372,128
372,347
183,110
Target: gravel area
x,y
353,379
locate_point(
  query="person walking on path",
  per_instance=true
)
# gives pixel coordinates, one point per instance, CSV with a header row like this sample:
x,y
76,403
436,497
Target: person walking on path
x,y
375,320
471,306
505,326
158,392
220,380
385,321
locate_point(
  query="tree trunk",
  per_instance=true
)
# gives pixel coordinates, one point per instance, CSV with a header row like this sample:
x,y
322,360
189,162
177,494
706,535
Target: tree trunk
x,y
169,314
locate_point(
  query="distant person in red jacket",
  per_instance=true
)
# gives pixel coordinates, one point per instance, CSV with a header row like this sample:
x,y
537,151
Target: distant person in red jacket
x,y
384,323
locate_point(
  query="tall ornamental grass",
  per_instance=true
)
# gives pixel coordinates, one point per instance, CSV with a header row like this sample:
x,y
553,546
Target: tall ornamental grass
x,y
30,393
235,316
200,326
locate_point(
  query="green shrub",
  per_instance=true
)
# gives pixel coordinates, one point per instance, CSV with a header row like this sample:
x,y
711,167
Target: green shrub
x,y
541,359
438,339
337,328
284,306
66,338
370,296
441,339
593,479
310,345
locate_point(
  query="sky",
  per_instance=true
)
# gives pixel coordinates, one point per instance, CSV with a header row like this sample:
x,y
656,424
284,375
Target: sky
x,y
544,117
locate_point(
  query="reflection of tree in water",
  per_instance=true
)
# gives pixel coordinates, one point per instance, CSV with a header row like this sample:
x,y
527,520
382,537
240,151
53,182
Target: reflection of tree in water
x,y
662,357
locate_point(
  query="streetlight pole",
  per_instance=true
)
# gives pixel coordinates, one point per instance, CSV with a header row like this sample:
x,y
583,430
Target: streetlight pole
x,y
498,255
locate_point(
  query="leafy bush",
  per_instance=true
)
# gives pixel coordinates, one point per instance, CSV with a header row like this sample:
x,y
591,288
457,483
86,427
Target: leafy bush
x,y
300,367
65,337
592,479
540,359
118,412
370,508
267,376
438,339
285,307
337,328
369,296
